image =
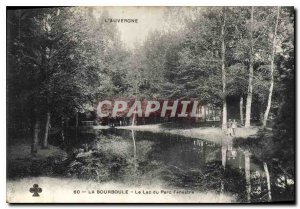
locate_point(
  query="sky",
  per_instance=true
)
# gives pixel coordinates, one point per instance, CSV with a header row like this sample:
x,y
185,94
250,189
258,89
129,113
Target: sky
x,y
149,19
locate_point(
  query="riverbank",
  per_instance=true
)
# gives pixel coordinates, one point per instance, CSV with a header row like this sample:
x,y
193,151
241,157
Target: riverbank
x,y
213,134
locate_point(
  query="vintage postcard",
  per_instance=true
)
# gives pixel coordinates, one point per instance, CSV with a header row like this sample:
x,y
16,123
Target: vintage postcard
x,y
150,104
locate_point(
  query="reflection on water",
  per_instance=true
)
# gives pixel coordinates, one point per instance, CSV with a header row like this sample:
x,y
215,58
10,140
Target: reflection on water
x,y
144,158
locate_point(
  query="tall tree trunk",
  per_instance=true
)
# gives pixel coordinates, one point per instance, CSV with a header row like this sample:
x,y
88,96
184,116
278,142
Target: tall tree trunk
x,y
35,138
223,51
47,126
136,99
133,119
241,109
36,131
250,82
272,72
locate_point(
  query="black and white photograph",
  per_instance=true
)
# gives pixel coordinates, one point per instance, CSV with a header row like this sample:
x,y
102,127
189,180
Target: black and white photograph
x,y
150,104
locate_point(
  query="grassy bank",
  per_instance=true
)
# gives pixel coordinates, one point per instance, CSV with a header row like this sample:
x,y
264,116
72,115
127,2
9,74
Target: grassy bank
x,y
22,163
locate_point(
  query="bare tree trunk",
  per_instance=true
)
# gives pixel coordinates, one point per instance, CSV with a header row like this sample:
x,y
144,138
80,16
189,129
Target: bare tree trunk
x,y
35,138
47,126
250,82
224,118
241,109
136,99
268,181
133,119
272,72
223,51
36,131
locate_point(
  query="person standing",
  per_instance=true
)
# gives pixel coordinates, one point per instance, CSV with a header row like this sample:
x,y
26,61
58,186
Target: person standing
x,y
234,127
229,126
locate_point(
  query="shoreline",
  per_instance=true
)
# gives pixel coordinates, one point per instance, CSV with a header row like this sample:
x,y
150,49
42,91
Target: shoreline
x,y
212,134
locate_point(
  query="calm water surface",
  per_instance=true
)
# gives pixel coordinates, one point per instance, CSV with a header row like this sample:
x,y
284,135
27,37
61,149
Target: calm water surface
x,y
145,158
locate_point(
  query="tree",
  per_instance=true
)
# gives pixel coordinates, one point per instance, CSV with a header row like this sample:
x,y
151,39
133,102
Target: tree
x,y
63,55
284,123
272,70
252,50
250,85
198,69
223,52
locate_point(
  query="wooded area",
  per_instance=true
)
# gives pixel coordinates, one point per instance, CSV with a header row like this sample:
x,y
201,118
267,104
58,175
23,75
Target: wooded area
x,y
62,60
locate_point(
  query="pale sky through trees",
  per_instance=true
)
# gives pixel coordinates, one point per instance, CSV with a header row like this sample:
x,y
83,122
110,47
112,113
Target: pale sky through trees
x,y
149,19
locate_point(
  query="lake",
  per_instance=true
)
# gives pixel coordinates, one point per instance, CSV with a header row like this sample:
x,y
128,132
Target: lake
x,y
139,158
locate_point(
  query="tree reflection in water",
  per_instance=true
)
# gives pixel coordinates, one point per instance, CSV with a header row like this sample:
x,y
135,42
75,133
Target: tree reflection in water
x,y
144,158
